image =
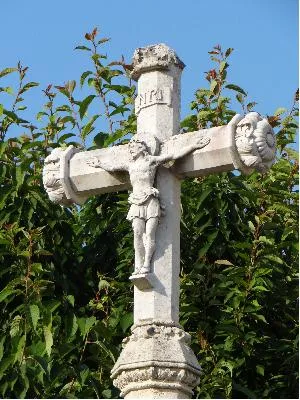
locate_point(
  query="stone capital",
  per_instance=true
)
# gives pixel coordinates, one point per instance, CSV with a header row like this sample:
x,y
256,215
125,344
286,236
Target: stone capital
x,y
154,57
156,362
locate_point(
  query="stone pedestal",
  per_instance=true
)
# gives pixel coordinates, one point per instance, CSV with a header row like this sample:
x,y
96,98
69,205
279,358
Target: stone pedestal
x,y
156,362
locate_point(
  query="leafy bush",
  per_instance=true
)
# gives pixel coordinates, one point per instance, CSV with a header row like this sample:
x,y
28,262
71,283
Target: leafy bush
x,y
66,302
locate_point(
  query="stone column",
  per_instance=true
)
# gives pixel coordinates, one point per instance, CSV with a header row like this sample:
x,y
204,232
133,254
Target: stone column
x,y
156,360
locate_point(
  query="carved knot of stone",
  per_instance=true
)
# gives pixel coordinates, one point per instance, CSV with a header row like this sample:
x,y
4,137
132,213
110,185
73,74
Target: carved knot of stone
x,y
156,377
255,142
56,177
154,57
154,331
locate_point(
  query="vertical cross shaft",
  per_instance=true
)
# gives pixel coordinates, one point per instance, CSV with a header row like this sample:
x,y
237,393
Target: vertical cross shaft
x,y
158,114
156,360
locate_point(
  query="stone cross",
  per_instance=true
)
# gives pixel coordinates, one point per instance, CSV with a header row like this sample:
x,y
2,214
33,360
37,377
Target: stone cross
x,y
156,360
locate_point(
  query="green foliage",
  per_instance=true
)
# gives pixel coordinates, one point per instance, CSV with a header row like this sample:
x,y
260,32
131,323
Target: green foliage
x,y
66,303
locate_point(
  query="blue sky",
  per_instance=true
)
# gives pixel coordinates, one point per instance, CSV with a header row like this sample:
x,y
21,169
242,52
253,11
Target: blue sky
x,y
263,33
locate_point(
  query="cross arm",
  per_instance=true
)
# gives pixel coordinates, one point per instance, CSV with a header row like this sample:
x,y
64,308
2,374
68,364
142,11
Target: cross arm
x,y
246,144
179,152
71,176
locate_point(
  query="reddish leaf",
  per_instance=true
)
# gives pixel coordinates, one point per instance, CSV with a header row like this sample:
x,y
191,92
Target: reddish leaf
x,y
273,120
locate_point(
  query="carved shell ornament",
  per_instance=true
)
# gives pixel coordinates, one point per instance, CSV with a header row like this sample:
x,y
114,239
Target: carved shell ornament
x,y
255,142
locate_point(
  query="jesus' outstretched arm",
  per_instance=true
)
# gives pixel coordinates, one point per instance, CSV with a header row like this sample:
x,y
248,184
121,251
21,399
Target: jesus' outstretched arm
x,y
202,142
108,165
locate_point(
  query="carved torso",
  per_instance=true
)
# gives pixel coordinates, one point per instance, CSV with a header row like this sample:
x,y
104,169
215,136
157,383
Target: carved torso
x,y
142,174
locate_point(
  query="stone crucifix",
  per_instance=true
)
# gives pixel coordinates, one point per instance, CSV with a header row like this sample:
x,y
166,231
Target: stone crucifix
x,y
156,360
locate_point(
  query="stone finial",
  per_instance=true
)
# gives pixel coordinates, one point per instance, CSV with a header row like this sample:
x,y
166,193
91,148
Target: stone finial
x,y
255,142
154,57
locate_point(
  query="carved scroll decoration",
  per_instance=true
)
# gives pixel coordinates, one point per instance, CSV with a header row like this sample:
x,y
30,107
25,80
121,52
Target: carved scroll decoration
x,y
56,177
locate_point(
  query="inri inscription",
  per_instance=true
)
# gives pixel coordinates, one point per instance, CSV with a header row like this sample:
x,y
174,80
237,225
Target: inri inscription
x,y
153,96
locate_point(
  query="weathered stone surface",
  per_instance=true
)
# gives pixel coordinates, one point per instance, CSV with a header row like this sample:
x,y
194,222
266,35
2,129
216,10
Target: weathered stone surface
x,y
231,147
143,281
161,362
156,360
155,57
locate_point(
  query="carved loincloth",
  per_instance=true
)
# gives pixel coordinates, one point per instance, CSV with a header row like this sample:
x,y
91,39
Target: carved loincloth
x,y
145,205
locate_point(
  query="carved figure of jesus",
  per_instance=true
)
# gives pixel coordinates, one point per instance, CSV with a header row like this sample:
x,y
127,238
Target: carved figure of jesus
x,y
145,206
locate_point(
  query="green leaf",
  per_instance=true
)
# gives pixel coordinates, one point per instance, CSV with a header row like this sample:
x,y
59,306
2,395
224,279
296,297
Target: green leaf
x,y
20,175
48,339
85,324
103,284
260,317
6,363
251,226
274,258
85,104
2,347
70,86
260,289
106,350
51,305
103,40
7,71
228,52
28,86
70,298
236,89
205,115
43,363
223,262
71,325
223,65
40,115
203,196
251,105
260,370
279,111
20,349
88,128
213,86
10,289
240,98
34,314
84,76
82,48
7,89
25,386
15,326
126,321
